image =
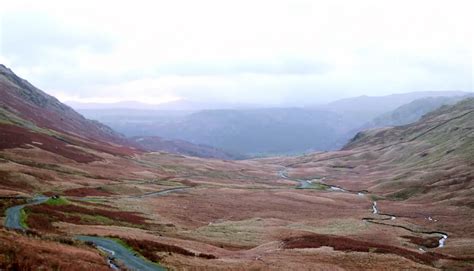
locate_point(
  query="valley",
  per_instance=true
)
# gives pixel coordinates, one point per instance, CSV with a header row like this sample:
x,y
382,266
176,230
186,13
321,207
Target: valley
x,y
392,198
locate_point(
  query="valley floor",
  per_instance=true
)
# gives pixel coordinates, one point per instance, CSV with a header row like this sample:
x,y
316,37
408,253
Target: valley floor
x,y
190,213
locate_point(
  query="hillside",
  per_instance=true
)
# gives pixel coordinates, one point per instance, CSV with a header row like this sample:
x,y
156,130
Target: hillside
x,y
155,143
22,100
30,118
412,112
372,106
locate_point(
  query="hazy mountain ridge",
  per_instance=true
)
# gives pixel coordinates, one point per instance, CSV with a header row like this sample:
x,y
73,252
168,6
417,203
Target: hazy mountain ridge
x,y
265,131
413,111
256,131
376,105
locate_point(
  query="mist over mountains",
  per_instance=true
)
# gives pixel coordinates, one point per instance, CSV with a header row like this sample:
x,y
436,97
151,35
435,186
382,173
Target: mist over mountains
x,y
270,131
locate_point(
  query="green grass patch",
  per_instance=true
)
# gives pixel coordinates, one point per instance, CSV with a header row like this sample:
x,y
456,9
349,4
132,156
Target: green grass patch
x,y
23,218
124,244
374,197
96,219
57,202
318,186
133,251
406,193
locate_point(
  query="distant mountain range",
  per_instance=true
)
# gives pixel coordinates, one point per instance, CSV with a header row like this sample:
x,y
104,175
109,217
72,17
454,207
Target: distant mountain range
x,y
372,106
266,131
413,111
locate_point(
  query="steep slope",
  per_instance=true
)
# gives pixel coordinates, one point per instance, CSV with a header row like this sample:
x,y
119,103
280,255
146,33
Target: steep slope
x,y
22,99
155,143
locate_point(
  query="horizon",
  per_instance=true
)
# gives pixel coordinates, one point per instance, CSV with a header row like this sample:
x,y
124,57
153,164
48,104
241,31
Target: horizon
x,y
132,103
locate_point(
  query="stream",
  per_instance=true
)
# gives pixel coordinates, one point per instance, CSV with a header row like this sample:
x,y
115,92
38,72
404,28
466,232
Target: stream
x,y
306,184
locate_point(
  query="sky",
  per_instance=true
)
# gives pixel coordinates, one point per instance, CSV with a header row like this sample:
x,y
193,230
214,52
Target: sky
x,y
291,52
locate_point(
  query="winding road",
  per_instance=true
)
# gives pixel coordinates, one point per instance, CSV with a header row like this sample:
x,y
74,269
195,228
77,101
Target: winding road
x,y
13,214
113,249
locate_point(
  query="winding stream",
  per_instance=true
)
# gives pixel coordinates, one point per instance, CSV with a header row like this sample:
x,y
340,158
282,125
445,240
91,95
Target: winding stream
x,y
306,184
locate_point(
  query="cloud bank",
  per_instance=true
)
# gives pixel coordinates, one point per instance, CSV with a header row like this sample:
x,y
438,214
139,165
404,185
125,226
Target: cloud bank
x,y
265,52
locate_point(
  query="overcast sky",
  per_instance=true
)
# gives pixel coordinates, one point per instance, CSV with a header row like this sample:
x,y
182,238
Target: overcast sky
x,y
257,51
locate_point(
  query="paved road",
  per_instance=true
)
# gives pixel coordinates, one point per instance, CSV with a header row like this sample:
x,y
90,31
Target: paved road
x,y
115,250
13,214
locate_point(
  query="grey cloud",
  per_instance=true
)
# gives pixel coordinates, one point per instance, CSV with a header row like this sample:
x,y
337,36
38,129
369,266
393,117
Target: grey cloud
x,y
34,39
276,66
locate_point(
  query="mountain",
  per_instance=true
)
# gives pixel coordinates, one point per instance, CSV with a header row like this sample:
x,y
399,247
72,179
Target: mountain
x,y
253,131
21,100
155,143
30,116
267,131
368,107
412,111
430,160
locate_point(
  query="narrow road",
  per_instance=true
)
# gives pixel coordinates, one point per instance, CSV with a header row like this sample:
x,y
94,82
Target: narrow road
x,y
115,250
13,214
162,192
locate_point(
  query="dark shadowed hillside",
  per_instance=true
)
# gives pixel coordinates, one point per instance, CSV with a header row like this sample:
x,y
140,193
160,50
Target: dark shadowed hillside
x,y
155,144
256,132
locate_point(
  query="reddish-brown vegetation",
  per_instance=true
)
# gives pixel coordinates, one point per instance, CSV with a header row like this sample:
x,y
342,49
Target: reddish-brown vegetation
x,y
86,191
16,137
18,252
430,242
149,249
348,244
7,181
41,217
9,202
24,100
